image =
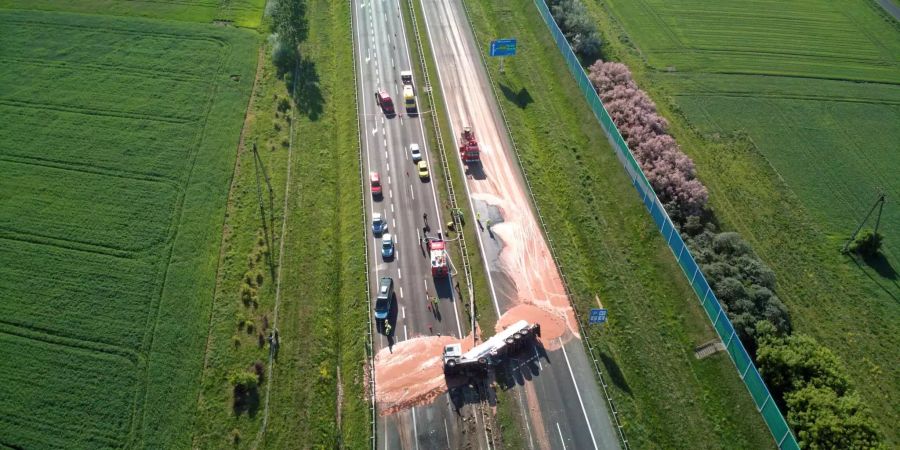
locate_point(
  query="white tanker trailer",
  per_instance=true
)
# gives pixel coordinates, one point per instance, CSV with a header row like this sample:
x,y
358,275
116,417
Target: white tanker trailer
x,y
490,352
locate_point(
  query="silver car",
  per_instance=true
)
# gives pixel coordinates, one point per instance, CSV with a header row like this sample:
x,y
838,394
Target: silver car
x,y
415,152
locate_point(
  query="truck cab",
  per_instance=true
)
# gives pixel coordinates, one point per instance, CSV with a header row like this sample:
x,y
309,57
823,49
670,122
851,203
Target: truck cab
x,y
406,77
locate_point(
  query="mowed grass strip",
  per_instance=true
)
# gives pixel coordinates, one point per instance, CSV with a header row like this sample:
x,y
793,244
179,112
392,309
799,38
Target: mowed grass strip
x,y
317,397
793,153
242,13
116,163
609,247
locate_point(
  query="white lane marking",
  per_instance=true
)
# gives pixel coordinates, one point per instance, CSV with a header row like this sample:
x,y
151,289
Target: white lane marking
x,y
405,336
394,223
392,196
399,274
401,296
411,193
578,393
418,236
402,308
561,436
415,430
389,177
447,433
537,357
374,131
392,205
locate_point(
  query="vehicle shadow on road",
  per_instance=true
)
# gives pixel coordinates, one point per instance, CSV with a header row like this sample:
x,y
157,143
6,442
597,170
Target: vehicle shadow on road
x,y
476,171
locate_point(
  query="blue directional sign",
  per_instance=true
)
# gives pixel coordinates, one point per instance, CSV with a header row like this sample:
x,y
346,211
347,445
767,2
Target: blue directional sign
x,y
598,315
503,47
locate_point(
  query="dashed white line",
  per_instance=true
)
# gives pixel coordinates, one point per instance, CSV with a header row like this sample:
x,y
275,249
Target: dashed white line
x,y
401,296
399,274
402,308
415,430
405,336
411,192
561,436
394,223
447,433
578,393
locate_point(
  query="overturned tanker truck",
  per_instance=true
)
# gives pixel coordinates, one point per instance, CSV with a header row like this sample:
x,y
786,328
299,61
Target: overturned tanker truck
x,y
491,352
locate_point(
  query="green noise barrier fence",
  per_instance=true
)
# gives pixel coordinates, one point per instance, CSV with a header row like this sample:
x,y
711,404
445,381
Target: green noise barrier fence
x,y
765,404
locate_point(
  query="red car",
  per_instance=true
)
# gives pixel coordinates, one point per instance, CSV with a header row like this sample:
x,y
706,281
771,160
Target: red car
x,y
375,181
385,102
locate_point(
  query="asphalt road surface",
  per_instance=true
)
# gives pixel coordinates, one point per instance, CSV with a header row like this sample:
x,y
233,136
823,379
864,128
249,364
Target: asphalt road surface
x,y
382,53
558,391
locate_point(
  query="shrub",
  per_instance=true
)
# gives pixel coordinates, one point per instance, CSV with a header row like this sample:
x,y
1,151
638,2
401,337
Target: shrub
x,y
670,172
243,381
824,420
259,368
743,283
866,244
580,31
809,381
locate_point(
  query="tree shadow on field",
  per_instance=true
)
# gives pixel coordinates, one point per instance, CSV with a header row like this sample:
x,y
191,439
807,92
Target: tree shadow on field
x,y
246,402
307,94
522,98
887,275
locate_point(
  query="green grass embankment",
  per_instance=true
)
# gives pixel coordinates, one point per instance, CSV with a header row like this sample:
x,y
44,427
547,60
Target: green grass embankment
x,y
316,396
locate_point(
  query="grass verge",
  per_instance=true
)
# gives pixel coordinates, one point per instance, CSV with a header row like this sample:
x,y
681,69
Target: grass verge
x,y
609,248
317,392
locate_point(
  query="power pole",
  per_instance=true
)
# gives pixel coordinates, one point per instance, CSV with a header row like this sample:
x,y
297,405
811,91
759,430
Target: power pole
x,y
879,203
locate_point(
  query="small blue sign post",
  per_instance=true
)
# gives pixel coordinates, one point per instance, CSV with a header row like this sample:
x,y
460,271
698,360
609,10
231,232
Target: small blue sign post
x,y
503,47
598,315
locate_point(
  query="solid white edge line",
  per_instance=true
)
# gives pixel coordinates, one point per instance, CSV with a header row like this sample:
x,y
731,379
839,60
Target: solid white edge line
x,y
561,440
578,393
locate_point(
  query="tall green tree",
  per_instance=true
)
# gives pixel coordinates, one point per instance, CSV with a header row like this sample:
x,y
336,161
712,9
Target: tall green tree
x,y
289,29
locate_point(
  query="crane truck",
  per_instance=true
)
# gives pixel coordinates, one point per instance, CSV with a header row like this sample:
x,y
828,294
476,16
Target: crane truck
x,y
490,352
468,150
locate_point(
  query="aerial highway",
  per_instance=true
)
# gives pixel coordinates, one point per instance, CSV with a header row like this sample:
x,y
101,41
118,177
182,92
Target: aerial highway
x,y
408,205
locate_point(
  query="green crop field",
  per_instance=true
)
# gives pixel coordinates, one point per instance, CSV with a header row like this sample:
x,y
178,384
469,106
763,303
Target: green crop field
x,y
791,111
242,13
116,146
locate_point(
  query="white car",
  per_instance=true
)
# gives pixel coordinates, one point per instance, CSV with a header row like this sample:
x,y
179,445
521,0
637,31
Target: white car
x,y
415,152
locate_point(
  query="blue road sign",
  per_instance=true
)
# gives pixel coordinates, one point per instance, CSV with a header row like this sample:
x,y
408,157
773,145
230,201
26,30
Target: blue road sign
x,y
503,47
598,315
